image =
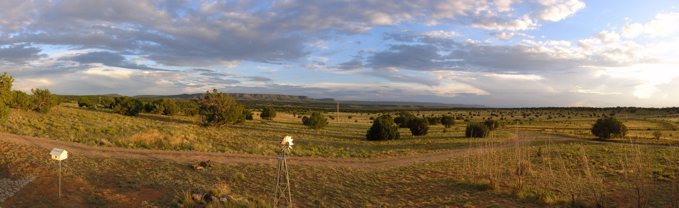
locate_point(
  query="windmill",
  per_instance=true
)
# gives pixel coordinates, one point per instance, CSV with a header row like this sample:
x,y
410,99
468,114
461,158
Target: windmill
x,y
282,190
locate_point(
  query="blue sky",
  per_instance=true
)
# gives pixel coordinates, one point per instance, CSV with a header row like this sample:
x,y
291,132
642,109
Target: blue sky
x,y
500,53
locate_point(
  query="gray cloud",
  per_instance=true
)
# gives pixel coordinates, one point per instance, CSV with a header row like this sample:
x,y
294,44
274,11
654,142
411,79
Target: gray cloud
x,y
110,59
18,54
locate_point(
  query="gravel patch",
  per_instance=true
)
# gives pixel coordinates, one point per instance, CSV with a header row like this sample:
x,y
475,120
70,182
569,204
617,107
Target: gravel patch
x,y
9,187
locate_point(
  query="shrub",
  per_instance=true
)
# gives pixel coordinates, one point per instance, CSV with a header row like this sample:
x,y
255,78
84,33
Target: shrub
x,y
248,115
85,102
268,113
107,102
43,100
20,100
383,128
418,126
170,107
5,94
403,119
128,106
188,108
447,121
491,124
476,130
608,127
217,109
434,120
316,121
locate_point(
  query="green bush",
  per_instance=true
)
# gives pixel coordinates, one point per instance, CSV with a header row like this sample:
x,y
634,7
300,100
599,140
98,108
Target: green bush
x,y
170,107
128,106
248,115
403,119
383,128
268,113
85,102
418,126
217,109
5,94
608,127
434,120
447,121
188,108
43,100
316,121
491,124
476,130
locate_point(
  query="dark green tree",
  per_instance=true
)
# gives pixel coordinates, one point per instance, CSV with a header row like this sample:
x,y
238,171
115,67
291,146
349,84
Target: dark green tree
x,y
85,102
609,127
403,119
491,124
218,109
434,120
383,128
268,113
170,107
128,106
248,115
316,121
447,121
418,126
477,130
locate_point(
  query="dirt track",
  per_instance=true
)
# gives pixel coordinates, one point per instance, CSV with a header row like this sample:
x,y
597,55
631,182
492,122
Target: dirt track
x,y
77,149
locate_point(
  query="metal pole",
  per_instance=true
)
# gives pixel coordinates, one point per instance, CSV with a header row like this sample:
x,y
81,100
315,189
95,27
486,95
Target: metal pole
x,y
59,178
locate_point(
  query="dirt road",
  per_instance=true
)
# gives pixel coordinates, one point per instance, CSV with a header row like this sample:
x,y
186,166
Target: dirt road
x,y
77,150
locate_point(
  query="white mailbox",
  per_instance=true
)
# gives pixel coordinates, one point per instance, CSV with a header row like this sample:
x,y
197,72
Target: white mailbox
x,y
59,154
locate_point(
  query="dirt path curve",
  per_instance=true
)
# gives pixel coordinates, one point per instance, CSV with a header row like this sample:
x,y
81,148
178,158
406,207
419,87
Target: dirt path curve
x,y
77,149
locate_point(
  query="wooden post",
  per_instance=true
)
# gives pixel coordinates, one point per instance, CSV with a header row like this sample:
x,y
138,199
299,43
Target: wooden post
x,y
59,178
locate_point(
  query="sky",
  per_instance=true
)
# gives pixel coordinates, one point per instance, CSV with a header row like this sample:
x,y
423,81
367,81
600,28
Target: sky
x,y
498,53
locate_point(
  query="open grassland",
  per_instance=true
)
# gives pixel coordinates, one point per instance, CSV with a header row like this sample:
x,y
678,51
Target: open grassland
x,y
150,131
543,157
536,170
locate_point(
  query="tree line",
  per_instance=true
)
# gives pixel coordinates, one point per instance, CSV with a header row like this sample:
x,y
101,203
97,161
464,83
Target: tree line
x,y
40,100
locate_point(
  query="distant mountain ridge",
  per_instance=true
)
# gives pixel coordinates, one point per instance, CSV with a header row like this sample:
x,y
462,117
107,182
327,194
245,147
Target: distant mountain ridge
x,y
250,97
306,99
245,96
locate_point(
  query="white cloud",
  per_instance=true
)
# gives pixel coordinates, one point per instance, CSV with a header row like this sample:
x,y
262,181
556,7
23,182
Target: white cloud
x,y
504,5
608,36
112,72
523,23
31,83
557,10
632,30
441,34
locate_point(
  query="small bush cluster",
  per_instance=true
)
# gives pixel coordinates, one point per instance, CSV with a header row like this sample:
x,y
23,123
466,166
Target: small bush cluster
x,y
383,128
447,121
316,121
268,113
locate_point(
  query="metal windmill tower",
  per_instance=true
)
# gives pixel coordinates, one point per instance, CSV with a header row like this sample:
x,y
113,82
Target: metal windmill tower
x,y
282,193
